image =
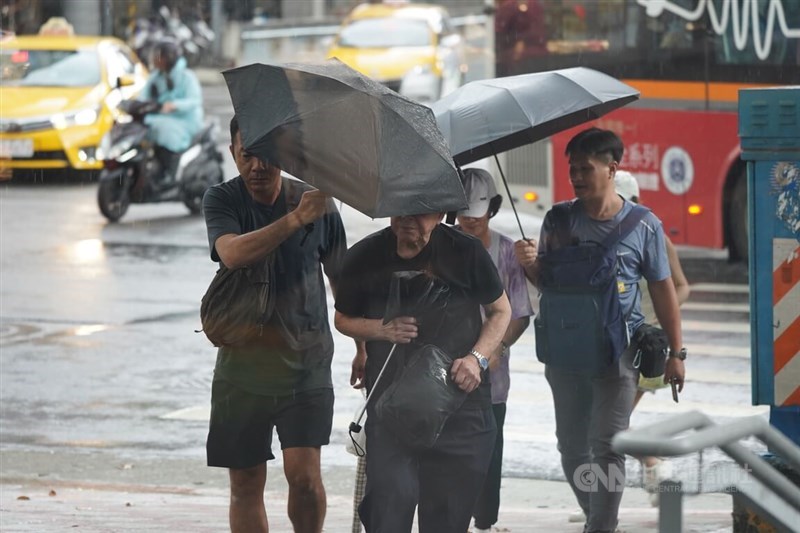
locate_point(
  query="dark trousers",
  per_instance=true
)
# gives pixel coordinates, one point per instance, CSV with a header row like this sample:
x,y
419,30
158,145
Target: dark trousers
x,y
488,504
444,480
589,412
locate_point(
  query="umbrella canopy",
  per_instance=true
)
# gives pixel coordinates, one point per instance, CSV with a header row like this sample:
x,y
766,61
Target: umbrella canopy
x,y
488,117
346,135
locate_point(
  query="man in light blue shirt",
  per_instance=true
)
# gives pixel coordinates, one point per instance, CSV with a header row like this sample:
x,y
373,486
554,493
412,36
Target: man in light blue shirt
x,y
590,410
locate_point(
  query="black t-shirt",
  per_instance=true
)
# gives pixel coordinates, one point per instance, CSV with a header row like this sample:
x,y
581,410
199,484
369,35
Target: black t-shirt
x,y
458,259
295,351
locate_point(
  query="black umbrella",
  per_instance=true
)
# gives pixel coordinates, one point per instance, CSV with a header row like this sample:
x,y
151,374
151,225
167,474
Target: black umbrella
x,y
346,135
487,117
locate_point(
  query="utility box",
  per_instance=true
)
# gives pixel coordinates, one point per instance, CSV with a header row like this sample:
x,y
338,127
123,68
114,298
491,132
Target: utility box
x,y
769,131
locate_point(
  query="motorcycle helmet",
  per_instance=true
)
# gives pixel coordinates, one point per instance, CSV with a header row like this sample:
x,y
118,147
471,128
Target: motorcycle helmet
x,y
168,51
165,54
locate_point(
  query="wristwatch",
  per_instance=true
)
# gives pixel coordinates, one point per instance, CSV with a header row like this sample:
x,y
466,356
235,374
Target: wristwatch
x,y
482,361
681,354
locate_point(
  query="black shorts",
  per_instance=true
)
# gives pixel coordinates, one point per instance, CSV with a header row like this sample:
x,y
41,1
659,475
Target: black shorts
x,y
240,430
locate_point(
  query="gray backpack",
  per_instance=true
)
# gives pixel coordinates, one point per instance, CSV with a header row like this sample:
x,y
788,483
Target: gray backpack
x,y
580,326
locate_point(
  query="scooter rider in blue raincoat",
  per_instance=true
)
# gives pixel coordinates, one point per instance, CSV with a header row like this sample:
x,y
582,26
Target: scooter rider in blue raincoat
x,y
180,117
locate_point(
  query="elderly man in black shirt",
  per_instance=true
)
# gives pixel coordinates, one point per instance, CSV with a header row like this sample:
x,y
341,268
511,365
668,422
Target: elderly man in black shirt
x,y
445,479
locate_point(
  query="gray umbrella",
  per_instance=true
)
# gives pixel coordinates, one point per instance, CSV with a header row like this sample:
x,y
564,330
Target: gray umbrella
x,y
346,135
487,117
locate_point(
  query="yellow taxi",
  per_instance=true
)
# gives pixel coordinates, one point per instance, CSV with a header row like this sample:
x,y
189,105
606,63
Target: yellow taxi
x,y
58,98
411,48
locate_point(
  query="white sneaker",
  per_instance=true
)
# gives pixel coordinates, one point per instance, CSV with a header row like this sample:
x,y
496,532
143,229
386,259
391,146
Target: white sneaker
x,y
480,530
653,475
576,516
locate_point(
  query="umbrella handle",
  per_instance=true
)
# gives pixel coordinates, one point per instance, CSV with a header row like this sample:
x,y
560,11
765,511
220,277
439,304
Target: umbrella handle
x,y
355,426
508,191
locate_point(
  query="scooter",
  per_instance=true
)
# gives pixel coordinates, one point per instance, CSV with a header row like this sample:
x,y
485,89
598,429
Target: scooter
x,y
133,172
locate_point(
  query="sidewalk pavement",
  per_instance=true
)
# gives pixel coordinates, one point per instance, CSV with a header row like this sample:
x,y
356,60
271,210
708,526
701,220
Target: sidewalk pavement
x,y
93,493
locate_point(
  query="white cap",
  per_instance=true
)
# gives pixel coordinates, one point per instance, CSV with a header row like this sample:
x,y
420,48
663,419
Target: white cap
x,y
480,189
626,185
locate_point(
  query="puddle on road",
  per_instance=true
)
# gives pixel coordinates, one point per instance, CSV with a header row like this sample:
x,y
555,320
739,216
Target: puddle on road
x,y
159,253
96,252
11,332
19,331
22,332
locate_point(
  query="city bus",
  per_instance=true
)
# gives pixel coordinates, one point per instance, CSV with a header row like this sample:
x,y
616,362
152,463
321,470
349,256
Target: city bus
x,y
688,59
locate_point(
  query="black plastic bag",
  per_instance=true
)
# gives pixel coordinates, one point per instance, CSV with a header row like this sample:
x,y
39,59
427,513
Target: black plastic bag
x,y
420,295
651,350
417,404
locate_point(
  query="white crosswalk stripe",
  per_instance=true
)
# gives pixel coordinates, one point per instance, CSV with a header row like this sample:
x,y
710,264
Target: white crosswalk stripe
x,y
717,307
714,326
731,288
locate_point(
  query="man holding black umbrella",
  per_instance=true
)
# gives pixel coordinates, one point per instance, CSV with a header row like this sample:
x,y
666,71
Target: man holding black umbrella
x,y
282,378
444,479
591,406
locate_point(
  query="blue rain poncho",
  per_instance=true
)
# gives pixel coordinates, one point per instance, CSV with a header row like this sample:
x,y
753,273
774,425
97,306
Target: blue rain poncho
x,y
175,130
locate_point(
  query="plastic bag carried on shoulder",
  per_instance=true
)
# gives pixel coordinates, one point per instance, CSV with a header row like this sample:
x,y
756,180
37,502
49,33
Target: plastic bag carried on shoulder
x,y
417,404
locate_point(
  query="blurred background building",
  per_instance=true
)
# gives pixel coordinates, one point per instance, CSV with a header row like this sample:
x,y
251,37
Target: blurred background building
x,y
226,18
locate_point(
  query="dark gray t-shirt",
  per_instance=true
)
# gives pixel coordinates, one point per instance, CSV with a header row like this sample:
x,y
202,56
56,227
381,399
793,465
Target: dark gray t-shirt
x,y
642,254
295,351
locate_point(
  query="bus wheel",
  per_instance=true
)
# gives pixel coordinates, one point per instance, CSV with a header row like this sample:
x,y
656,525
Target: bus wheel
x,y
738,245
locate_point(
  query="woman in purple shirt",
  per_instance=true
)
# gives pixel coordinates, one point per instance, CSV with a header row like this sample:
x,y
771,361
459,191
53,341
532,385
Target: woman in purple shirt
x,y
484,202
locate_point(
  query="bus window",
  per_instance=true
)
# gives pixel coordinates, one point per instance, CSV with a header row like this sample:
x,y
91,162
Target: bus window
x,y
688,59
769,45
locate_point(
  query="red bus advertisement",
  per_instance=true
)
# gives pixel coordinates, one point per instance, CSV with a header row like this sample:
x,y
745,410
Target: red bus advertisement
x,y
688,59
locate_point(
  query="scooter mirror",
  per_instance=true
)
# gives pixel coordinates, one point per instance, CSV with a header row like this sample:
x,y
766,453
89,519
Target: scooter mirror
x,y
125,81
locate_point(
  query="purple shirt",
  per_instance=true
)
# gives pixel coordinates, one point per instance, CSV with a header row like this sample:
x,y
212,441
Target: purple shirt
x,y
501,250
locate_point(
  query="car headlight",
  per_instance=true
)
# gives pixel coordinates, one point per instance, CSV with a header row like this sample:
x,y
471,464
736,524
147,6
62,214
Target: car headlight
x,y
84,117
422,69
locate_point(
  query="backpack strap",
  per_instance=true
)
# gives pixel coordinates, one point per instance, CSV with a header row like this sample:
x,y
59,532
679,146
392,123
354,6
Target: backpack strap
x,y
626,226
623,229
561,225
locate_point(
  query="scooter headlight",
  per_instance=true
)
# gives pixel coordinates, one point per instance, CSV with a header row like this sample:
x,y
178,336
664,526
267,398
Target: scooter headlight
x,y
117,150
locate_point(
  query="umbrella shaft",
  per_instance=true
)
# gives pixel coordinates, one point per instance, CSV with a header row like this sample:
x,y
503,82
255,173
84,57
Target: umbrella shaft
x,y
377,380
510,199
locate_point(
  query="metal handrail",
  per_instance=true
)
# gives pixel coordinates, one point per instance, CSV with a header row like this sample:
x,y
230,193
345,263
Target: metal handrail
x,y
664,439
